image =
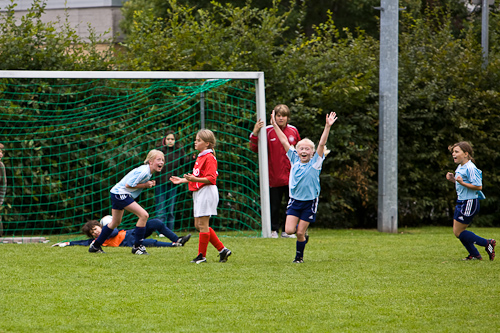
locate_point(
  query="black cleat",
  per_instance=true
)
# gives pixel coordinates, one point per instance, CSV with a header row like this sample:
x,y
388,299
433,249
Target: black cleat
x,y
140,250
95,249
490,248
182,240
469,257
224,254
298,260
199,259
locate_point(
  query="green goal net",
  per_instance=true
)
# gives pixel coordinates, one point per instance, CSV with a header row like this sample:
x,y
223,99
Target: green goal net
x,y
69,140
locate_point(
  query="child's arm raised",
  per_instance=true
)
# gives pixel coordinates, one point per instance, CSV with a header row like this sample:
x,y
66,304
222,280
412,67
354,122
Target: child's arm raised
x,y
330,119
279,133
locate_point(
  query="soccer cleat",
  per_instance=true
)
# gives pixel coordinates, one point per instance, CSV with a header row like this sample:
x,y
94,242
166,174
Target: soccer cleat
x,y
274,234
469,257
224,254
299,260
307,238
199,259
490,248
95,249
182,240
285,235
140,250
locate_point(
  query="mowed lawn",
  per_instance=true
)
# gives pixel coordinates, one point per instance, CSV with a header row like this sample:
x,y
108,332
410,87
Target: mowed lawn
x,y
351,281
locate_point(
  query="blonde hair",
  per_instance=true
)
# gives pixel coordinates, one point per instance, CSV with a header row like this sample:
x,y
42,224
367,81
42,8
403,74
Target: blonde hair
x,y
153,154
207,136
307,142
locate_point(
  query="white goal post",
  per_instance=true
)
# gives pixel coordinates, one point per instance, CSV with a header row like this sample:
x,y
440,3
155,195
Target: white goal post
x,y
260,109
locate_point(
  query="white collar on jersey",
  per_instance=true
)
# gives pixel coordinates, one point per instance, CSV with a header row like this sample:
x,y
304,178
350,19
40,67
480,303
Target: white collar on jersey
x,y
206,151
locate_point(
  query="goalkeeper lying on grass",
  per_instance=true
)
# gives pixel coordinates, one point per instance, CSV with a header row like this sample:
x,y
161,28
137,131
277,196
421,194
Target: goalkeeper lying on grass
x,y
127,237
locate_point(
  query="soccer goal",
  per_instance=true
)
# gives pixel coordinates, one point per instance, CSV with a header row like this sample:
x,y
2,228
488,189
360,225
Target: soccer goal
x,y
70,136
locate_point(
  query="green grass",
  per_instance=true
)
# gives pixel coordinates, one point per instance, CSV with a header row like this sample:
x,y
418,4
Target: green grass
x,y
352,280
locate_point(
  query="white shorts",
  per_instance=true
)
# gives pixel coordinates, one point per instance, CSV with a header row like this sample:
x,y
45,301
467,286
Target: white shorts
x,y
205,201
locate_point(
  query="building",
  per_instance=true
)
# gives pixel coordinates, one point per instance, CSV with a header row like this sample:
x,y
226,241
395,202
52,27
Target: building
x,y
103,15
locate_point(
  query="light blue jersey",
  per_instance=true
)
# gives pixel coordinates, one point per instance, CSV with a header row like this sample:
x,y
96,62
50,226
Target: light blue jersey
x,y
470,175
304,177
137,176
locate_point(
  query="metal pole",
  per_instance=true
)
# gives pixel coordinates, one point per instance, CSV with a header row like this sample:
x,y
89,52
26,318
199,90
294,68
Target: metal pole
x,y
202,109
265,201
388,116
485,11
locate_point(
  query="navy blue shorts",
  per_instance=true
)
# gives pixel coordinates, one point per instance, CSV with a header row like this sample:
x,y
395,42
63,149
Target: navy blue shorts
x,y
465,210
304,210
120,201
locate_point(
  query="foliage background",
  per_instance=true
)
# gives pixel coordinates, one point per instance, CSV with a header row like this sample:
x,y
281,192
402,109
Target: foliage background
x,y
319,63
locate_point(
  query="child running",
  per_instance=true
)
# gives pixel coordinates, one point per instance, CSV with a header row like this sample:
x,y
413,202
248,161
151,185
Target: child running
x,y
123,197
304,183
205,195
468,181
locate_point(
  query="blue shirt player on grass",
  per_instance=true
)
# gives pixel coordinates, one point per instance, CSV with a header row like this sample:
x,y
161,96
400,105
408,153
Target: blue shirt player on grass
x,y
468,181
304,183
123,197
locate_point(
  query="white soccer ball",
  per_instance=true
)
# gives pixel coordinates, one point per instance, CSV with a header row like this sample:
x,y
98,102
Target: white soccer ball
x,y
105,220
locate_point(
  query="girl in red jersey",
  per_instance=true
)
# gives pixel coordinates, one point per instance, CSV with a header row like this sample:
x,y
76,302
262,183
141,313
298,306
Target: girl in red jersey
x,y
205,195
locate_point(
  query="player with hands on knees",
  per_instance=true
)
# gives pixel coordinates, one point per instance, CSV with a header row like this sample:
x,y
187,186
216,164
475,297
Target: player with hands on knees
x,y
304,182
123,196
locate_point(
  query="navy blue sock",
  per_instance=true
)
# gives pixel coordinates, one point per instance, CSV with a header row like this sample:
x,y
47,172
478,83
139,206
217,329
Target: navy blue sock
x,y
105,232
139,235
300,249
467,237
471,237
168,233
469,248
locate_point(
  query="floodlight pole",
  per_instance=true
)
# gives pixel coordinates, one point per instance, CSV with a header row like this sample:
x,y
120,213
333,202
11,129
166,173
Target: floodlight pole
x,y
388,118
485,22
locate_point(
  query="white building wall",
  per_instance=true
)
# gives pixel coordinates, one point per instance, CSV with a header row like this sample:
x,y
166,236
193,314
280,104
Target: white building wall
x,y
103,15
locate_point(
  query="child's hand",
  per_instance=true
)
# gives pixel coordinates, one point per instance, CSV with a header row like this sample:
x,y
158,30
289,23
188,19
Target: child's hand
x,y
459,180
258,125
273,119
189,177
150,183
331,118
176,180
450,177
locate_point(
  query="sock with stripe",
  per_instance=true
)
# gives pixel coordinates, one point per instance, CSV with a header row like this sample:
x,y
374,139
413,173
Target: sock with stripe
x,y
300,249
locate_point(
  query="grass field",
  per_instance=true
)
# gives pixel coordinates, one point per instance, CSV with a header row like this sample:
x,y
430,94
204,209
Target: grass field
x,y
351,281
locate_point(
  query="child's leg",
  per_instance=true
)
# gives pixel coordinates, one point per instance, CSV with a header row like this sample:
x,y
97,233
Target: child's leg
x,y
117,216
291,224
140,227
201,223
156,225
215,241
468,238
149,242
301,239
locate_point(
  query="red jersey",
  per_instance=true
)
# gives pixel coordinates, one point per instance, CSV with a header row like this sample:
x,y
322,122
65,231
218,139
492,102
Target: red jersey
x,y
204,167
279,164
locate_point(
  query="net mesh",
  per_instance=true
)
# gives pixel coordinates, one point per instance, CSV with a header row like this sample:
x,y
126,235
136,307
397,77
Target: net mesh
x,y
68,141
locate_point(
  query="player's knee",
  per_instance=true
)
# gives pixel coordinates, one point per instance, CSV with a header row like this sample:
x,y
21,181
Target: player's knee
x,y
290,230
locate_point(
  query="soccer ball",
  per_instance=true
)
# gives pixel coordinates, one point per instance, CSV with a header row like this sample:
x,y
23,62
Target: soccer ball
x,y
105,220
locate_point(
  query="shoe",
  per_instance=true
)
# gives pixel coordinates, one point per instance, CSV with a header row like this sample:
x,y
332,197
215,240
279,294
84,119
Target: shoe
x,y
161,235
490,248
140,250
469,257
285,235
199,259
224,254
95,249
298,260
274,234
307,238
182,240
